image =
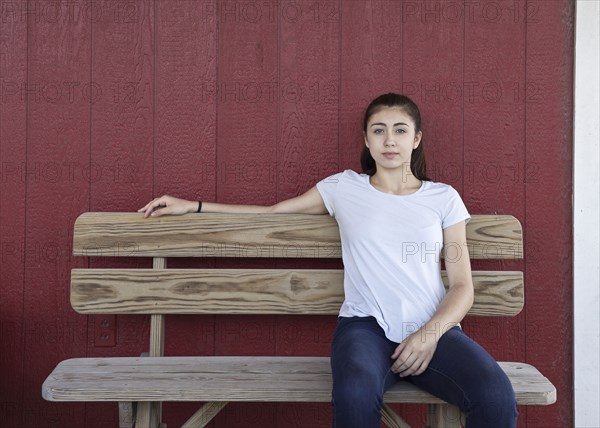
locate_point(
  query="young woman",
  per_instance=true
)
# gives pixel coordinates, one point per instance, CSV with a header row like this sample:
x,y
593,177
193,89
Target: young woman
x,y
397,322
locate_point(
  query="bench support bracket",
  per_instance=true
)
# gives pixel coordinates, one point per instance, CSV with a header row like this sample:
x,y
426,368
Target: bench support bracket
x,y
391,418
205,414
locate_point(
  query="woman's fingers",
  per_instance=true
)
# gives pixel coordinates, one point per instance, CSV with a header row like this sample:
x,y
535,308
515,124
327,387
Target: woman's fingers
x,y
404,362
421,368
150,206
160,210
398,350
413,355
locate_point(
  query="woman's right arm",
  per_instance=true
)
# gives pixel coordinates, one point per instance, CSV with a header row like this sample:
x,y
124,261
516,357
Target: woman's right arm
x,y
309,202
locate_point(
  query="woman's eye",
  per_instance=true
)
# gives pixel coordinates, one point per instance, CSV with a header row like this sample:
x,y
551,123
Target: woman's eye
x,y
400,131
377,131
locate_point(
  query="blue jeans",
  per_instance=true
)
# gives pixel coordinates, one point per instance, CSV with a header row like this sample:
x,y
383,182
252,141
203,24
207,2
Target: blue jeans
x,y
461,372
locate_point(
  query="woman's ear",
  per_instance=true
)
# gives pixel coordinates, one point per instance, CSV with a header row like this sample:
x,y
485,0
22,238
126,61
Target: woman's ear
x,y
418,137
366,141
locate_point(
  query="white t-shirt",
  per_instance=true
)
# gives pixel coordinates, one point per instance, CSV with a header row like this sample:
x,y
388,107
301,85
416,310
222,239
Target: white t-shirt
x,y
391,246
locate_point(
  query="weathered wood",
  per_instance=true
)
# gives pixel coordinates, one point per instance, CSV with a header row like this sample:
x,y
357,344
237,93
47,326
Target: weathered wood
x,y
244,291
443,416
218,380
157,342
205,414
391,418
255,235
302,379
157,335
143,415
126,414
495,237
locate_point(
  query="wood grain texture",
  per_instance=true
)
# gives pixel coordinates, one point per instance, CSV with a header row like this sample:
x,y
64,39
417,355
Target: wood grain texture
x,y
58,149
205,414
247,96
251,291
391,418
143,415
307,149
302,379
157,342
13,209
371,61
126,414
308,99
493,168
548,202
255,235
157,322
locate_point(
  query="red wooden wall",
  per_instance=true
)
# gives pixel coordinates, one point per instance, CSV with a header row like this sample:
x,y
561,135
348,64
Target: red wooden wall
x,y
107,104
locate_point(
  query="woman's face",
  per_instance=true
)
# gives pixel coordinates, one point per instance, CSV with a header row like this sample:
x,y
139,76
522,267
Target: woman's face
x,y
391,137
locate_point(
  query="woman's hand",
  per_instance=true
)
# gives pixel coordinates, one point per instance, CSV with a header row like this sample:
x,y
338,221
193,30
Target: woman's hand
x,y
414,353
168,205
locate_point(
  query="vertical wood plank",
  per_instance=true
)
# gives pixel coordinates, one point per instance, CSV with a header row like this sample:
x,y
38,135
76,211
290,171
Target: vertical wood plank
x,y
126,414
13,202
157,322
143,415
185,151
494,147
548,208
246,95
120,165
157,343
58,120
370,65
307,151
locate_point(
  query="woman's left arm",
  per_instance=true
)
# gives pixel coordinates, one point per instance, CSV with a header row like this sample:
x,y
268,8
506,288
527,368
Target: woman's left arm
x,y
415,352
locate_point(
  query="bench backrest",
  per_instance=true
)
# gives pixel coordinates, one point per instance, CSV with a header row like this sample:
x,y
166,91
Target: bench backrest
x,y
159,291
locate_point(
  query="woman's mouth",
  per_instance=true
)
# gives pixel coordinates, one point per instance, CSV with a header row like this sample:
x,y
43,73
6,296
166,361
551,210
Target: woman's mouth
x,y
390,155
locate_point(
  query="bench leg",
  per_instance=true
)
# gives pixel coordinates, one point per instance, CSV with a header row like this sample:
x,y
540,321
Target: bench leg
x,y
205,414
443,416
126,413
391,418
145,417
155,414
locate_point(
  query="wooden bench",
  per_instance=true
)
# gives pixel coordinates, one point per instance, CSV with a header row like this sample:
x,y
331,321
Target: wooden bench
x,y
216,380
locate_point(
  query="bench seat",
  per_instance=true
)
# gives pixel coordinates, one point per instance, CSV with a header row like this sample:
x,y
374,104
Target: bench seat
x,y
281,379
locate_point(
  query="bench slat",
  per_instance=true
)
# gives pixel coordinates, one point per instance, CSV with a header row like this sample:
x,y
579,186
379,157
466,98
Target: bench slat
x,y
251,291
218,378
255,235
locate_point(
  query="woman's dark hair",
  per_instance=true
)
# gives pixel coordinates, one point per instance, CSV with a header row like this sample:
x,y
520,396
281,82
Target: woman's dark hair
x,y
417,159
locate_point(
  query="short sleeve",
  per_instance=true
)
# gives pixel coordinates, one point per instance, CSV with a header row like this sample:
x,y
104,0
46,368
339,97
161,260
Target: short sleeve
x,y
456,210
328,190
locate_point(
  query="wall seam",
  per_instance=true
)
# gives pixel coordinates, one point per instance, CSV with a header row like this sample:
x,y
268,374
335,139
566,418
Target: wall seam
x,y
23,342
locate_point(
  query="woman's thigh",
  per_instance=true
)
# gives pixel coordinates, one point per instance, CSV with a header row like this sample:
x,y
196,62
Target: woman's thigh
x,y
462,373
359,345
360,367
